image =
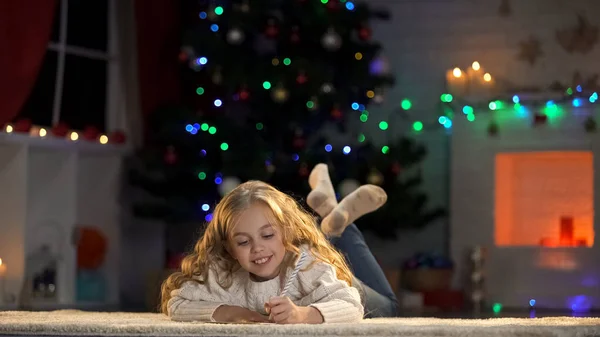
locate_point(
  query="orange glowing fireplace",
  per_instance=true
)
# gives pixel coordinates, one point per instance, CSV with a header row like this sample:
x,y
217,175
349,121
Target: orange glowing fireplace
x,y
544,199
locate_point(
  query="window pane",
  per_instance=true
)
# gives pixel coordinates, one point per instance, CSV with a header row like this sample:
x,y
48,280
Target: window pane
x,y
88,24
84,93
38,107
56,24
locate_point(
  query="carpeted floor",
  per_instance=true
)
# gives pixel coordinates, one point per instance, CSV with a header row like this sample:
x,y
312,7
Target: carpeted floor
x,y
80,323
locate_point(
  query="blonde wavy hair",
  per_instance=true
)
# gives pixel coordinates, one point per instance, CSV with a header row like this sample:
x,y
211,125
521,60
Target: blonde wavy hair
x,y
296,226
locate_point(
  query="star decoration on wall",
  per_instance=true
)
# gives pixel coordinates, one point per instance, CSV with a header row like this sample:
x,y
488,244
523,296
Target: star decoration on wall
x,y
530,50
579,39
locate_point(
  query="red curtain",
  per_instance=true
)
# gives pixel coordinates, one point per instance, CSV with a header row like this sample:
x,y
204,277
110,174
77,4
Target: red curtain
x,y
25,27
158,40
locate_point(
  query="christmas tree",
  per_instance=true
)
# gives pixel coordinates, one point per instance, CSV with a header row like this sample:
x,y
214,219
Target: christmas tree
x,y
273,88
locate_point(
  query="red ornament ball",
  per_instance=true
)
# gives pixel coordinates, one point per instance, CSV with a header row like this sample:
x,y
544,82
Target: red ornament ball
x,y
272,30
170,155
396,168
301,79
336,113
364,33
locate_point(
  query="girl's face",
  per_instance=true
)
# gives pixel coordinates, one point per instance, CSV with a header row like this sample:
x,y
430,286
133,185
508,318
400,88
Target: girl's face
x,y
257,244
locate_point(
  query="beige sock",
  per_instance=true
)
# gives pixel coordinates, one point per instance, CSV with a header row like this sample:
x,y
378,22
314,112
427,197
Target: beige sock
x,y
322,197
365,199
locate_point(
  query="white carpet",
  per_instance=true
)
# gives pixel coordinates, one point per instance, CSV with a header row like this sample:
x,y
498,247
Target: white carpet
x,y
80,323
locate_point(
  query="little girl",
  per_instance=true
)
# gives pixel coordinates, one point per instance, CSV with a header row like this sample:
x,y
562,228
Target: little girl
x,y
252,244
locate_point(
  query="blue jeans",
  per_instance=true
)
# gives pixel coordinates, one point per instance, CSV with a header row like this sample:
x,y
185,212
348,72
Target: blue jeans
x,y
379,298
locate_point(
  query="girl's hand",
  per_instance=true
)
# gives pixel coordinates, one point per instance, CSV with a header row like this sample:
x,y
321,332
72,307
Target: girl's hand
x,y
283,311
235,314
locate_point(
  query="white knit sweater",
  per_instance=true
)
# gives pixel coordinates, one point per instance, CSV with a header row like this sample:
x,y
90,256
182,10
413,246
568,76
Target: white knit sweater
x,y
317,287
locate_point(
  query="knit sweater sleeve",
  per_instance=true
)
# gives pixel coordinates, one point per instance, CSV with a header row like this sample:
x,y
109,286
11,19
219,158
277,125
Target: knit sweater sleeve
x,y
197,302
337,301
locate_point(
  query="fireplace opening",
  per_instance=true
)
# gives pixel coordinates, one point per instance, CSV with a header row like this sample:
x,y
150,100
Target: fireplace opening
x,y
544,199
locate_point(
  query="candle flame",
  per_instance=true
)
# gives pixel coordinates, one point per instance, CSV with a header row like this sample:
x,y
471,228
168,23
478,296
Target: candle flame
x,y
487,77
476,66
0,262
456,72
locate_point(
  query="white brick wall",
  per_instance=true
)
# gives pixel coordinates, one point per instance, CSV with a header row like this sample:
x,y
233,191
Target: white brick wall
x,y
427,37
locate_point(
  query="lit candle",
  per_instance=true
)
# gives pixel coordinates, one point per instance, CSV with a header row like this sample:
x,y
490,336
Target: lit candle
x,y
474,74
456,82
2,273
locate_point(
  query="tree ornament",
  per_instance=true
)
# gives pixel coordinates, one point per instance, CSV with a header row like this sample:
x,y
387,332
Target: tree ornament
x,y
331,41
217,77
301,78
333,6
212,15
170,155
272,30
492,129
312,105
364,33
299,140
380,65
303,171
244,94
244,7
375,177
396,168
228,184
336,113
378,98
186,53
295,37
590,125
235,36
539,119
327,88
280,94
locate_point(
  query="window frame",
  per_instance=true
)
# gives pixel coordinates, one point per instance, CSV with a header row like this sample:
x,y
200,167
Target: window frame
x,y
110,56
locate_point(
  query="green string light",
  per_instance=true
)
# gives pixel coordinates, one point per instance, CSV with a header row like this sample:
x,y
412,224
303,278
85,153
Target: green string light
x,y
417,126
383,125
204,127
202,175
406,104
364,118
224,146
287,61
310,104
470,117
267,85
259,126
199,91
218,10
212,130
385,149
361,138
